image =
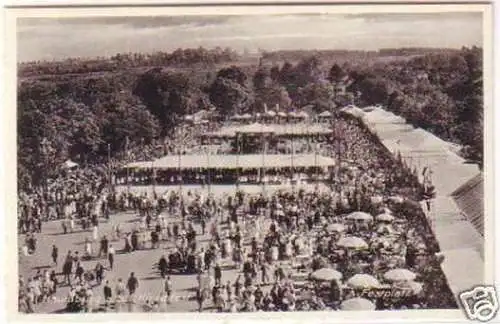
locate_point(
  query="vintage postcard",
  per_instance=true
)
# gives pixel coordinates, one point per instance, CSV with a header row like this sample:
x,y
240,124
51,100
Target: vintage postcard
x,y
303,163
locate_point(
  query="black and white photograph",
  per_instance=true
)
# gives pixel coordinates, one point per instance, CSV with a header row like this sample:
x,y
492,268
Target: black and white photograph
x,y
270,162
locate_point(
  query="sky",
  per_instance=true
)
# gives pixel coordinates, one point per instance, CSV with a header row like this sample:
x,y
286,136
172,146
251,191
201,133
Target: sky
x,y
55,39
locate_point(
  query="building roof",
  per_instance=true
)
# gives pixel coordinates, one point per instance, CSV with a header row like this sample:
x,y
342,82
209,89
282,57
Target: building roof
x,y
470,199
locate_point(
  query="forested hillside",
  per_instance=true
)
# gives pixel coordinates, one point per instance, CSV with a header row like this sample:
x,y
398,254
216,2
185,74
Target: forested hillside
x,y
77,108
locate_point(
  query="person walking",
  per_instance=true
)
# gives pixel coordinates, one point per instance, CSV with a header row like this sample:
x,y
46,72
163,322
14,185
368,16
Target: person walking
x,y
168,289
163,266
54,254
108,294
99,273
67,268
111,256
218,274
132,284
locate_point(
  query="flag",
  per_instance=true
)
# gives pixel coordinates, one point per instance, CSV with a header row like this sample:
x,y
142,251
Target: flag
x,y
424,171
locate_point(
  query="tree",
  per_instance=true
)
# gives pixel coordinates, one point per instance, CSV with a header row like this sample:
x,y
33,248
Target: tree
x,y
320,94
336,73
233,73
272,95
229,96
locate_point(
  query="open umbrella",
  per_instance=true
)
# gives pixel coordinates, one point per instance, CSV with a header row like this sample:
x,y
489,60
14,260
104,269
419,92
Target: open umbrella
x,y
385,217
362,280
359,216
412,286
303,114
326,274
325,113
352,242
400,275
357,304
336,227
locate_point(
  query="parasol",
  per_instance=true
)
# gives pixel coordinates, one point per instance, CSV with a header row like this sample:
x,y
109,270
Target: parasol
x,y
377,199
363,281
336,227
385,217
357,304
352,242
359,216
326,274
68,164
413,286
400,275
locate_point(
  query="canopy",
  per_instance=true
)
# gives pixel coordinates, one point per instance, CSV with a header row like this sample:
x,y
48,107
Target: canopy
x,y
246,116
68,164
326,274
354,111
352,242
255,128
400,275
357,304
363,281
282,114
270,113
360,216
236,116
188,117
303,114
234,161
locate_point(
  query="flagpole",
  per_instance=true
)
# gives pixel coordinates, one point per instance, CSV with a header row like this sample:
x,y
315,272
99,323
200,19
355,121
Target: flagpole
x,y
237,161
153,180
208,171
291,158
262,176
128,161
109,167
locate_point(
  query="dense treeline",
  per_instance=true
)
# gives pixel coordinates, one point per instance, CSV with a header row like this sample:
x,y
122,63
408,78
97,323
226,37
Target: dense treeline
x,y
180,57
89,116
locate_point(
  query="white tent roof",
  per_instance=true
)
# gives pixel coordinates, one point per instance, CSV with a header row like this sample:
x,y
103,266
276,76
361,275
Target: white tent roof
x,y
247,161
355,111
325,113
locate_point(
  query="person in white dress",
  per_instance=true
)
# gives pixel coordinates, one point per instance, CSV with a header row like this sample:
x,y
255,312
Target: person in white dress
x,y
95,233
88,247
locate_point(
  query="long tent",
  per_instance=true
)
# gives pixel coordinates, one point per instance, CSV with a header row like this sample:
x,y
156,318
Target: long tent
x,y
247,161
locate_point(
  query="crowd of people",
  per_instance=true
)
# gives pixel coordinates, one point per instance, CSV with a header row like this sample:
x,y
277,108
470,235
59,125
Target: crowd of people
x,y
368,223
